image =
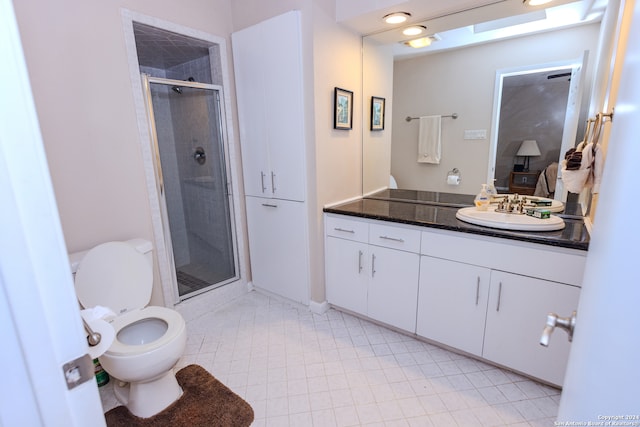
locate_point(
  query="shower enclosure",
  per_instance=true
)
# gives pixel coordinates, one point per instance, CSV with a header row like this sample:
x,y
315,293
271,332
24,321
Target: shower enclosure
x,y
187,126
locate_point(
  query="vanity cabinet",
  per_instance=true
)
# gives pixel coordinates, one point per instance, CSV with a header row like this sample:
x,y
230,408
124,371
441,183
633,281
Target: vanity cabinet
x,y
371,270
515,286
486,296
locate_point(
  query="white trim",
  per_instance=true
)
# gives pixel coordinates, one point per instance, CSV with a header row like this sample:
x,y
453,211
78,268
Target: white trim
x,y
318,307
497,101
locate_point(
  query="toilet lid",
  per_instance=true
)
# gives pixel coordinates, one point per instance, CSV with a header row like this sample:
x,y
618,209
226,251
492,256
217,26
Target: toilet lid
x,y
114,275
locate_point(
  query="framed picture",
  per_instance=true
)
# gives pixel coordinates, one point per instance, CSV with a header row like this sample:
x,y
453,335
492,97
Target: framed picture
x,y
343,108
377,113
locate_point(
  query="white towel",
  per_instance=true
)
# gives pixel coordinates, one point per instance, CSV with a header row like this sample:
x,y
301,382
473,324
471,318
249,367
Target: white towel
x,y
429,139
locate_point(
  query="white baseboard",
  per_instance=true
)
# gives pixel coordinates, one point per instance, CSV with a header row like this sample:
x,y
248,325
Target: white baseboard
x,y
318,307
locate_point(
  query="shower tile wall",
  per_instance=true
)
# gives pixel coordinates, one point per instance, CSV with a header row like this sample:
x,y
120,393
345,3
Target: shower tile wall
x,y
199,69
199,221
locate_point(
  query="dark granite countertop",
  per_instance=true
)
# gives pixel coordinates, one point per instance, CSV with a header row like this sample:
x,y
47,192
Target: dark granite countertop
x,y
441,213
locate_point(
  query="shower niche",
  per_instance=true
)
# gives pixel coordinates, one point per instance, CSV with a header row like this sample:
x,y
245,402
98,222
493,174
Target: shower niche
x,y
182,84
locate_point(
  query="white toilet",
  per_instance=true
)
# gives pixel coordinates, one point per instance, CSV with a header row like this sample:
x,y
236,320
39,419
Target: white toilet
x,y
149,340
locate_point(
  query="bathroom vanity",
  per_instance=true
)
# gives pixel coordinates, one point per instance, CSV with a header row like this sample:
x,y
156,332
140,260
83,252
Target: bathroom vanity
x,y
403,259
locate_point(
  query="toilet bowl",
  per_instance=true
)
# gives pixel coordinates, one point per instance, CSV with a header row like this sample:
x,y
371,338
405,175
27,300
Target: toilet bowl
x,y
148,340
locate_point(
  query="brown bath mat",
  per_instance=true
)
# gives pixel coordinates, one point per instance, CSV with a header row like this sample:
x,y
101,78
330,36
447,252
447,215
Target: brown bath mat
x,y
205,402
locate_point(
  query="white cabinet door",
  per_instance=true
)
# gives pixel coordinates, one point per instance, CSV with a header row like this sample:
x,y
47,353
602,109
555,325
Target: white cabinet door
x,y
252,116
393,287
516,316
452,303
284,105
269,86
278,247
347,274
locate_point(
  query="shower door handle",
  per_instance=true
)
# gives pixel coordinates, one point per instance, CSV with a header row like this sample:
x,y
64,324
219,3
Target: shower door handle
x,y
262,181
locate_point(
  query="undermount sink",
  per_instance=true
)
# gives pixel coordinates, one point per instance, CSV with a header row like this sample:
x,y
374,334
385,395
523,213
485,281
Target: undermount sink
x,y
509,221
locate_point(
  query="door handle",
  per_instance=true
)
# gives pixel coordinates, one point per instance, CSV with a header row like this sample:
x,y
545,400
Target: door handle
x,y
553,320
262,181
373,265
273,182
478,290
359,262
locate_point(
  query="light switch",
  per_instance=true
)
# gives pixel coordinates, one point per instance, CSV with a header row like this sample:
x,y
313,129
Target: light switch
x,y
475,134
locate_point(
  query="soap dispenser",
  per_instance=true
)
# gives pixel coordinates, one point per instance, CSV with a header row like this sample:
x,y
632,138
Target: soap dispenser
x,y
491,189
482,200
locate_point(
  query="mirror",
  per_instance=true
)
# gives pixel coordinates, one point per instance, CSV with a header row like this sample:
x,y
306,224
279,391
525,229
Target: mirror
x,y
463,80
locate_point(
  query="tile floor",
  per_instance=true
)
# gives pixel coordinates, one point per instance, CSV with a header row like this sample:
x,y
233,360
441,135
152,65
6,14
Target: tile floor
x,y
297,368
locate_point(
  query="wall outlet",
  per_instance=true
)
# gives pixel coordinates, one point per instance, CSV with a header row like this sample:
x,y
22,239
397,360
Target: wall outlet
x,y
475,134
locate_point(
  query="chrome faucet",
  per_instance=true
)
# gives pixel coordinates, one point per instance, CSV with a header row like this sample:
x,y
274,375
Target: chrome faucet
x,y
553,320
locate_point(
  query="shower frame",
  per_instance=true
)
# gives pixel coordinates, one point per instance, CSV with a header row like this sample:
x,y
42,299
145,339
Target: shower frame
x,y
220,69
159,178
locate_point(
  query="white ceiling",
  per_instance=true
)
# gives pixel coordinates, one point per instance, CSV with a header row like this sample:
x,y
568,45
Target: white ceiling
x,y
455,21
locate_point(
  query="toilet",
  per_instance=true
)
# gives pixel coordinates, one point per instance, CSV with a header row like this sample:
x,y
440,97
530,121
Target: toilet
x,y
148,340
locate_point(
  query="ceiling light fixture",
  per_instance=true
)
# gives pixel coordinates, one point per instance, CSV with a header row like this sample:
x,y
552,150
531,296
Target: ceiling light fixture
x,y
536,2
396,17
418,43
414,30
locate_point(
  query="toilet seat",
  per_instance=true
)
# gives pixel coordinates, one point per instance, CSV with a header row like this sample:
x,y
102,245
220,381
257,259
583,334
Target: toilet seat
x,y
114,275
175,326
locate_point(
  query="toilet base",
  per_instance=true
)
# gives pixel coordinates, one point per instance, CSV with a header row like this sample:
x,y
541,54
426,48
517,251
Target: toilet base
x,y
146,399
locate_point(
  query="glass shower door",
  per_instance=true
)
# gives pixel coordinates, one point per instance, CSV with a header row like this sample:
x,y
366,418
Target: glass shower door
x,y
192,168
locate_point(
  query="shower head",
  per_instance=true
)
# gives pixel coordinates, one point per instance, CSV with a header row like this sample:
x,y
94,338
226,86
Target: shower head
x,y
177,89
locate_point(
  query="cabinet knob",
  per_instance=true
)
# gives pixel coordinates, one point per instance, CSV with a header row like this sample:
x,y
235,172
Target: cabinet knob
x,y
553,320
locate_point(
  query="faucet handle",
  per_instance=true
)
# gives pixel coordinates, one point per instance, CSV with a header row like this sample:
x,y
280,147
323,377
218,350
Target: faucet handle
x,y
553,320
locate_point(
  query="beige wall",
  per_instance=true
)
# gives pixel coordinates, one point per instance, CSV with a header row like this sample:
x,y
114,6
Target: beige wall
x,y
77,62
338,155
463,81
78,67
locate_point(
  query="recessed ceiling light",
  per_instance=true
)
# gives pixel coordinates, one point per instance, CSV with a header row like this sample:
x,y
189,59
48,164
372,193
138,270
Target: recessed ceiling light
x,y
418,43
396,17
414,31
536,2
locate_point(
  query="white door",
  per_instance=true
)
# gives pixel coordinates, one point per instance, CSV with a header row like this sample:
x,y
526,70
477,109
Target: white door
x,y
603,373
40,323
571,118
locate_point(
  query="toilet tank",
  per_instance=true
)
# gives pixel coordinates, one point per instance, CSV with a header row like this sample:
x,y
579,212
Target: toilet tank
x,y
143,246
